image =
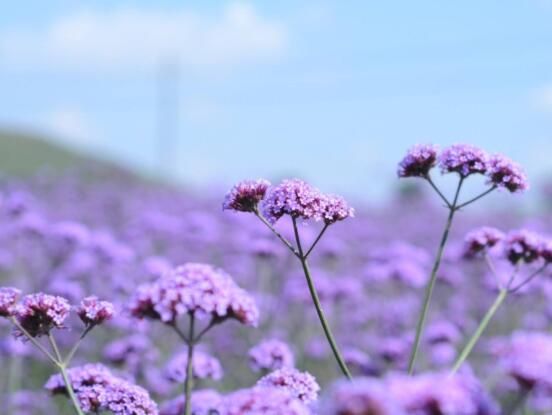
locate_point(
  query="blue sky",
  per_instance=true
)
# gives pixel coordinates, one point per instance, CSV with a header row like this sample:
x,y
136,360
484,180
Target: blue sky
x,y
329,91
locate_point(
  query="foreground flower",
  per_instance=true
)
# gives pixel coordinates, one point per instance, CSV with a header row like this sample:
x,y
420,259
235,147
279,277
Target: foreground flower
x,y
464,159
245,196
97,390
270,355
301,385
522,246
418,161
504,173
8,298
40,313
93,312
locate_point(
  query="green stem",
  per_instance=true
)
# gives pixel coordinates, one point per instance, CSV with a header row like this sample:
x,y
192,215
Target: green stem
x,y
318,306
189,369
33,341
431,285
63,370
482,326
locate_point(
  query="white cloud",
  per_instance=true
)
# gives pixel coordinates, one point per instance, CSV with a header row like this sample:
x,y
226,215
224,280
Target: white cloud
x,y
135,37
70,126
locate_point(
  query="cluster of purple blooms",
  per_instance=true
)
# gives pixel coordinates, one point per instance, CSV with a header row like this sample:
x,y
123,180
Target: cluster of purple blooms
x,y
68,238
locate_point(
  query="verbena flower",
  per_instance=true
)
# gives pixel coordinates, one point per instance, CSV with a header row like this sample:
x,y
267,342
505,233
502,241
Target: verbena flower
x,y
481,239
8,299
40,313
522,246
93,312
245,196
204,402
271,355
464,159
299,199
98,390
506,174
418,161
263,400
203,366
195,288
301,385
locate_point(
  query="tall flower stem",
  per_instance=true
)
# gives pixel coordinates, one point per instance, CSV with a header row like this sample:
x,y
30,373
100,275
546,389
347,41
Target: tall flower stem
x,y
480,329
431,285
62,366
189,368
318,306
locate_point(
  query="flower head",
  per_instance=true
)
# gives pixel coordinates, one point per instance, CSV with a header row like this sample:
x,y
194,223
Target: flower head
x,y
481,239
203,366
300,385
506,174
245,196
464,159
195,288
522,246
39,313
300,200
8,299
98,390
270,355
93,311
419,160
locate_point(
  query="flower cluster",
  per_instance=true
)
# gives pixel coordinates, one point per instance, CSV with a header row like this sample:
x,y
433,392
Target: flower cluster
x,y
8,300
263,400
39,313
464,159
97,390
300,385
299,199
204,402
481,239
419,160
523,246
270,355
245,196
203,366
93,311
195,288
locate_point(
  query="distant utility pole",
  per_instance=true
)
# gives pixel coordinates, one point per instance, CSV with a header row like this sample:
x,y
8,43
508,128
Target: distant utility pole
x,y
168,84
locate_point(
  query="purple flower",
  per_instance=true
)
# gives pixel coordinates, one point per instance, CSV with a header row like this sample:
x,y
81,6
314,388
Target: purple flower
x,y
299,199
263,401
271,355
522,246
300,385
245,196
195,288
506,174
481,239
39,313
98,390
464,159
364,396
204,402
93,311
527,357
8,298
419,160
546,250
203,366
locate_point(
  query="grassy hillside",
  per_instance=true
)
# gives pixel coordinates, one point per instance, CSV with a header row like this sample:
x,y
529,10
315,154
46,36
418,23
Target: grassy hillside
x,y
24,154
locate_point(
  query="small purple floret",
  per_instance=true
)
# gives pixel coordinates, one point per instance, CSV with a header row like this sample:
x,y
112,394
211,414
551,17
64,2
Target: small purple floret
x,y
8,299
245,196
464,159
39,313
418,161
